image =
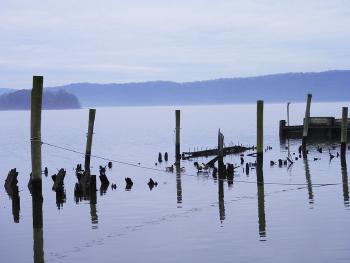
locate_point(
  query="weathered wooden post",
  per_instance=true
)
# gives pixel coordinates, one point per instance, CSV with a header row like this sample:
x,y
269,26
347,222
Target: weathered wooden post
x,y
221,166
92,113
35,131
344,135
288,123
36,183
260,140
306,124
177,137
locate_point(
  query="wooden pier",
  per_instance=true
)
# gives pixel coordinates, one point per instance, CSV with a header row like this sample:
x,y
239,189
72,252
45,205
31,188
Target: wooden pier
x,y
319,128
211,152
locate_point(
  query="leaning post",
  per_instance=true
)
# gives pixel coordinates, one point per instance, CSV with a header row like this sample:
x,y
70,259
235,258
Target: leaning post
x,y
344,135
92,113
177,137
260,140
306,123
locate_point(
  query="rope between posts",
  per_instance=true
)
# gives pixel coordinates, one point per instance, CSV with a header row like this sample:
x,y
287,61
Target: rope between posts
x,y
161,170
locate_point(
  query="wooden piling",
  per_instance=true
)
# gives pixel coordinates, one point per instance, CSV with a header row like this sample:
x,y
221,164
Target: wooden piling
x,y
306,123
221,165
260,140
92,113
177,137
35,180
35,127
344,135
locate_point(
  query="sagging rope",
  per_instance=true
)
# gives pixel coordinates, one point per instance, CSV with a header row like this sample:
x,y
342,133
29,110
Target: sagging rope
x,y
163,171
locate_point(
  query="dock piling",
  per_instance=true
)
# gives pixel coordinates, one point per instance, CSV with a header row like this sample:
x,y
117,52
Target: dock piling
x,y
306,123
344,135
177,135
92,113
35,181
260,140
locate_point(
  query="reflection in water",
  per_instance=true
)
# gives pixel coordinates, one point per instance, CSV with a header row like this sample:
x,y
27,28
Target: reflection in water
x,y
103,189
308,180
178,186
37,204
221,200
261,199
344,173
13,193
93,209
87,191
261,210
60,198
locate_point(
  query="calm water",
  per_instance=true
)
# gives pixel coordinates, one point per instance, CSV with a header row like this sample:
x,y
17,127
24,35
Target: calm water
x,y
184,219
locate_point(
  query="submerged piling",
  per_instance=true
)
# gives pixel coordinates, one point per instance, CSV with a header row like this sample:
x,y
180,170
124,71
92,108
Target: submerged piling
x,y
260,140
177,137
344,135
92,113
306,123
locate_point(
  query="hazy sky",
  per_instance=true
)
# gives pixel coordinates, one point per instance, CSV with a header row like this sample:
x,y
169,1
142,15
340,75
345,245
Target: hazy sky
x,y
117,41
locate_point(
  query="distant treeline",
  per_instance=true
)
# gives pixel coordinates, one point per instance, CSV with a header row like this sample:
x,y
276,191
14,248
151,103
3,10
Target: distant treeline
x,y
325,86
21,100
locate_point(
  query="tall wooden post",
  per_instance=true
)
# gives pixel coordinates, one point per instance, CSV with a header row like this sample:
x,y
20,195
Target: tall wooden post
x,y
306,123
36,183
92,113
177,137
260,140
221,166
288,123
35,127
344,135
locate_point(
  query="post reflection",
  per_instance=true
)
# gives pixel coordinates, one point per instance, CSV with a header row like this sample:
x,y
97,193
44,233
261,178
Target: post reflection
x,y
344,173
221,200
308,180
60,198
85,190
261,210
261,200
13,193
37,206
93,202
178,186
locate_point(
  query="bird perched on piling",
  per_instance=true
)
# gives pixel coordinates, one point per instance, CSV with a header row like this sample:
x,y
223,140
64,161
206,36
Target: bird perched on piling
x,y
46,171
110,165
160,158
166,156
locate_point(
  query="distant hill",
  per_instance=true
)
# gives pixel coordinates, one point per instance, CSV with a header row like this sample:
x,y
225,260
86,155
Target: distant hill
x,y
325,86
21,100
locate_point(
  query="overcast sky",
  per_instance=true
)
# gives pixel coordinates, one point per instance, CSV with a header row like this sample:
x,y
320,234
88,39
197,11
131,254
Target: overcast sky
x,y
182,40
